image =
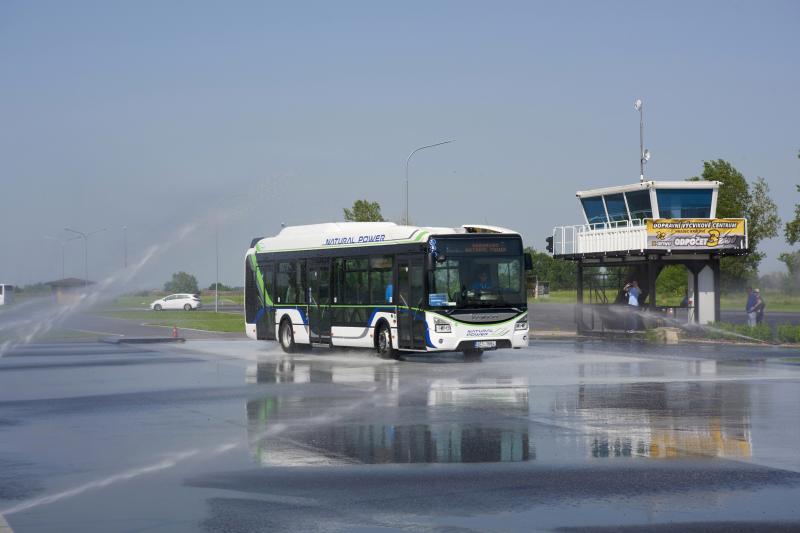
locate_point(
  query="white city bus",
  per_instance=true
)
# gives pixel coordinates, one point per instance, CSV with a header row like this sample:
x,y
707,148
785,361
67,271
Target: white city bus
x,y
6,294
388,287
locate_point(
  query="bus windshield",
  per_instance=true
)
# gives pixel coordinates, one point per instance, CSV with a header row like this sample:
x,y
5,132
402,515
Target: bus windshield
x,y
477,280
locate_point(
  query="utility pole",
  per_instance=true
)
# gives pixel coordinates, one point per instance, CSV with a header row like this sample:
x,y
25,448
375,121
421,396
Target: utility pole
x,y
216,246
644,155
125,246
63,243
85,237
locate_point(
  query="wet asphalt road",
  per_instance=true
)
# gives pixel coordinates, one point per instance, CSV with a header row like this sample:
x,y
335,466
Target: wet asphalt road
x,y
224,435
561,317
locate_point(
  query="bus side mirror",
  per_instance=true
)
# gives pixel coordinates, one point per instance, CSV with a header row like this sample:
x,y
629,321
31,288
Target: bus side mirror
x,y
528,262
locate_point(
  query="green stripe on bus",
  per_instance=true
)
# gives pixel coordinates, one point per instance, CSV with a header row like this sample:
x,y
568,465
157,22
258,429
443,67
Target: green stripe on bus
x,y
265,300
416,309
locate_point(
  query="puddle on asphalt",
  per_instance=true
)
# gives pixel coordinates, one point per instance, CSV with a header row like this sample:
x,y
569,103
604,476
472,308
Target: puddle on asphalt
x,y
660,420
394,417
396,424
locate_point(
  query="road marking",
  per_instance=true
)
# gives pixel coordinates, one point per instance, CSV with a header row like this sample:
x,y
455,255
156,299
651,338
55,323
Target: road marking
x,y
104,482
4,527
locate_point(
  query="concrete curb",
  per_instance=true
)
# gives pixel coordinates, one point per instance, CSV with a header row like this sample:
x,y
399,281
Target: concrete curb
x,y
140,340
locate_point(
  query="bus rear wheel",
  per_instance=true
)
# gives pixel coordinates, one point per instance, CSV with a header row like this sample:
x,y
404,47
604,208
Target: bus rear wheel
x,y
286,336
383,342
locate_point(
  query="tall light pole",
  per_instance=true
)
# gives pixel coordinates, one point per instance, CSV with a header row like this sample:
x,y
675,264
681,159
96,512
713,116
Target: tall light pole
x,y
216,247
644,155
63,243
125,246
85,237
216,277
409,159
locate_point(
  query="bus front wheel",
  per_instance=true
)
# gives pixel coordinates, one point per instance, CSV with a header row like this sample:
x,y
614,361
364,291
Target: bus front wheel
x,y
286,336
383,342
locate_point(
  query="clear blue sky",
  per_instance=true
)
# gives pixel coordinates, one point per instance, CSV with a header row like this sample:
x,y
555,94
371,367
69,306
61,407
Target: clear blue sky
x,y
146,113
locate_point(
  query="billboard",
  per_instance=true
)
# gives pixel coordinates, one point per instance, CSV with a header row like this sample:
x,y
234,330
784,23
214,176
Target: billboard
x,y
697,234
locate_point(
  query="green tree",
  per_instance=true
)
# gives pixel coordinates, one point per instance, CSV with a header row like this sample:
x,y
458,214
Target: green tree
x,y
222,287
736,200
671,284
363,211
792,259
792,262
792,230
561,274
182,282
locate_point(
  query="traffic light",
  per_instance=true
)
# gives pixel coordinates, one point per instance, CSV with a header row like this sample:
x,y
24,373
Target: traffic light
x,y
549,244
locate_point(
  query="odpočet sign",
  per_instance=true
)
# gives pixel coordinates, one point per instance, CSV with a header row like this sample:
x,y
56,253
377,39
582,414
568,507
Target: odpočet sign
x,y
697,234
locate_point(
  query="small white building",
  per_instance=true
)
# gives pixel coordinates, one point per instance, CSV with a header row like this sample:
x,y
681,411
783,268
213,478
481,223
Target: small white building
x,y
6,294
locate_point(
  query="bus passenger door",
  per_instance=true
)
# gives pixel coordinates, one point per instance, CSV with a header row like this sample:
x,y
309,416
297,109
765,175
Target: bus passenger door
x,y
265,318
319,300
410,299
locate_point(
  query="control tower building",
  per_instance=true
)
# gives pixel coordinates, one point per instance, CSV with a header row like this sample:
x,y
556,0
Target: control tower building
x,y
631,232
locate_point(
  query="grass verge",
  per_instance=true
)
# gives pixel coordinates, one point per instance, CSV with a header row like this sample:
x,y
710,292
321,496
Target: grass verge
x,y
129,301
776,301
567,296
205,320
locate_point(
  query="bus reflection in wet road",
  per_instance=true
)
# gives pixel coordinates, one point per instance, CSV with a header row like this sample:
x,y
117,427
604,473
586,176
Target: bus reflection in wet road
x,y
488,418
427,432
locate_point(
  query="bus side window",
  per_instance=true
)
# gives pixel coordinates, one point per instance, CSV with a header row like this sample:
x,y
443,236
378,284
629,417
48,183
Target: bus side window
x,y
380,279
301,287
338,281
282,292
355,282
269,279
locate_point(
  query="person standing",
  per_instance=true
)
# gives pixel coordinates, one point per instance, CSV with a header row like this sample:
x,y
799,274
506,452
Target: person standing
x,y
758,307
748,307
633,292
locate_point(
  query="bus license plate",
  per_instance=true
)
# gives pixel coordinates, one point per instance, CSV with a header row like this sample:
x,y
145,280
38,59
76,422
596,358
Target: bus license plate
x,y
486,345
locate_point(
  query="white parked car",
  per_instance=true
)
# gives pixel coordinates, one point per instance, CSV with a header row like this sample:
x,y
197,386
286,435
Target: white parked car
x,y
187,302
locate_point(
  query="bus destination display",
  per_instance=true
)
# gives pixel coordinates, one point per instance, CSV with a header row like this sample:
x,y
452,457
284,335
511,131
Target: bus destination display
x,y
479,246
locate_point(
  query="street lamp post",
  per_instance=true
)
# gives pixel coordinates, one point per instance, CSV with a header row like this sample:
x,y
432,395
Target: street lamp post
x,y
125,246
85,237
409,159
63,243
644,155
216,247
216,278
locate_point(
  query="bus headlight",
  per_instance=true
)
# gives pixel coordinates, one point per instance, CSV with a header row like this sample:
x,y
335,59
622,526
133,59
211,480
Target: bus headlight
x,y
521,324
442,326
